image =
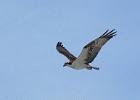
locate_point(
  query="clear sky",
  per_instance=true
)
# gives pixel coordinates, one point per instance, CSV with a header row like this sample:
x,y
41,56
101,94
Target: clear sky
x,y
32,69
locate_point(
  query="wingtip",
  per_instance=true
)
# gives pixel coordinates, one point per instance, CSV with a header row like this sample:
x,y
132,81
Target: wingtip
x,y
109,33
106,31
59,44
114,32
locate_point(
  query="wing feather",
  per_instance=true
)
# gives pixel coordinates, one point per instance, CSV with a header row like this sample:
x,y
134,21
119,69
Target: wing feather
x,y
65,52
91,50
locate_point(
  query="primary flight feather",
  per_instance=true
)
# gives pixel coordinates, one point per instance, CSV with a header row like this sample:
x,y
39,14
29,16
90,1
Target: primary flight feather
x,y
88,53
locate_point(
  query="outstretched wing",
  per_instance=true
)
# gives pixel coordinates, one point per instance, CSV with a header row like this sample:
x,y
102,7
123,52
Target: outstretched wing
x,y
91,50
65,52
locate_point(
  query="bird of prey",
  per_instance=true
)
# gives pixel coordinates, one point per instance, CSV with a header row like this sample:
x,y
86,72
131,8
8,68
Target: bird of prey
x,y
88,53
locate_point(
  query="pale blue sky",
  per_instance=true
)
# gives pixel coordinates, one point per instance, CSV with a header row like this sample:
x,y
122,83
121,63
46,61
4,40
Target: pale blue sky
x,y
32,69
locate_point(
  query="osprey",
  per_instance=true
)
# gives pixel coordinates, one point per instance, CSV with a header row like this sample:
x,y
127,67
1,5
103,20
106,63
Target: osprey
x,y
88,53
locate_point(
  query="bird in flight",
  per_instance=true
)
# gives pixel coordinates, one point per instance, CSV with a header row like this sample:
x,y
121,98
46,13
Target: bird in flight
x,y
88,53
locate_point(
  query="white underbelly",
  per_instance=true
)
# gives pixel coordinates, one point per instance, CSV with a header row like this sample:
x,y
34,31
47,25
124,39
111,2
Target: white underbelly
x,y
77,65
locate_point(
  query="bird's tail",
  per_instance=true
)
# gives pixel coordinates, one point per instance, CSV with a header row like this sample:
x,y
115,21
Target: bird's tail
x,y
91,67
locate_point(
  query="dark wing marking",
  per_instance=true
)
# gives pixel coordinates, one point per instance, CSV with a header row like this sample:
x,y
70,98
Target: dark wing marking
x,y
65,52
91,50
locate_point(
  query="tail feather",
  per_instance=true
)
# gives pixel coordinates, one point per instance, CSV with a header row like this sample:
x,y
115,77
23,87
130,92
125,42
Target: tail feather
x,y
91,67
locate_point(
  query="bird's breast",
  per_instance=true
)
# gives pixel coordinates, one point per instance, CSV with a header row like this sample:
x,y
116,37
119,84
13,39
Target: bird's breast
x,y
78,65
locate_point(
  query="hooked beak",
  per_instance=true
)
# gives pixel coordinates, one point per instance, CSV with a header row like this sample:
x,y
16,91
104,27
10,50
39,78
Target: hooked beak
x,y
64,65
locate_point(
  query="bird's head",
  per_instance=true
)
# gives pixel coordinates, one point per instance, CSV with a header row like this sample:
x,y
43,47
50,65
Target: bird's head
x,y
67,64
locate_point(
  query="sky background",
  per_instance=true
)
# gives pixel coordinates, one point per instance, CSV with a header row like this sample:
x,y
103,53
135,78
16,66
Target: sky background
x,y
32,69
